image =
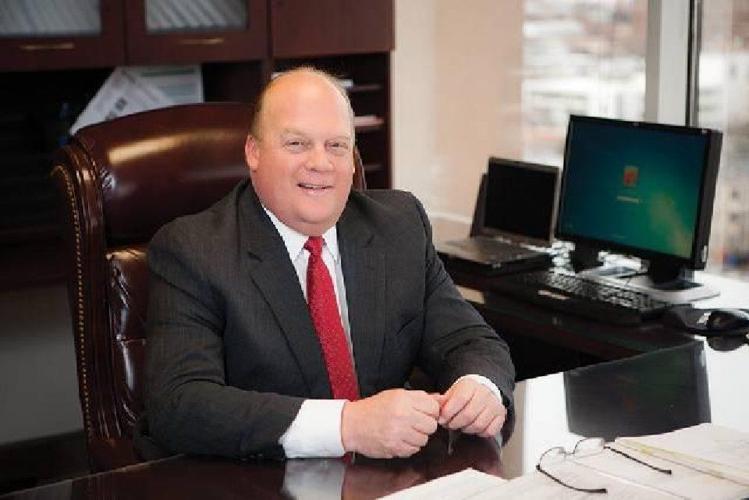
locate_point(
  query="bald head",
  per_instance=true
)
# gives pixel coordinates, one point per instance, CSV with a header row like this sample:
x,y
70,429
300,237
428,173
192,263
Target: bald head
x,y
300,150
293,79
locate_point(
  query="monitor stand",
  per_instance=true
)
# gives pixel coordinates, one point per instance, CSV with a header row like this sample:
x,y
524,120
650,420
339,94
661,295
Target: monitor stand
x,y
673,284
584,257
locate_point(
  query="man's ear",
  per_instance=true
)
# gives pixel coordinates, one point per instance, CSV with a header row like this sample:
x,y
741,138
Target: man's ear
x,y
251,152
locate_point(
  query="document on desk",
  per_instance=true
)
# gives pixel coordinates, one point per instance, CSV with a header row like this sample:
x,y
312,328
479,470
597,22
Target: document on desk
x,y
468,483
708,448
475,485
683,482
538,486
706,462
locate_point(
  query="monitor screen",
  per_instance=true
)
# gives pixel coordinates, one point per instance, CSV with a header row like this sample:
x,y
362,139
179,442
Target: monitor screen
x,y
645,189
521,200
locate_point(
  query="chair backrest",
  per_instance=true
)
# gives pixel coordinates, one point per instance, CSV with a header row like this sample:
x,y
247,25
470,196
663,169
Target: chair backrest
x,y
120,181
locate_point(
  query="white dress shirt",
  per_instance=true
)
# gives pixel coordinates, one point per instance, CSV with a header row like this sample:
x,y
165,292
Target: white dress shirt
x,y
316,430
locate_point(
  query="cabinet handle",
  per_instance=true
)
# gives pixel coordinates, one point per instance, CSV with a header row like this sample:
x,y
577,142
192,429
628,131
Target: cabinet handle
x,y
202,41
31,47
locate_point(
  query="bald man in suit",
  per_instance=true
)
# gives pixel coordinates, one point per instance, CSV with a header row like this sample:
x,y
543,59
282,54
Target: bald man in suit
x,y
236,362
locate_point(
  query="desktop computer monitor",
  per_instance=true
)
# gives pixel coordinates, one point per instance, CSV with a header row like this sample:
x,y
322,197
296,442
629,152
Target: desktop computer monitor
x,y
641,189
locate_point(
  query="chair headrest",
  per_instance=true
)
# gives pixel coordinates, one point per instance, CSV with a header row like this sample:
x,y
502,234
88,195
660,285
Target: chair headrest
x,y
160,164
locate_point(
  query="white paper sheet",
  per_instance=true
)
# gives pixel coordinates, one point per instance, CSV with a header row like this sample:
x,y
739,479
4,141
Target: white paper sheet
x,y
683,481
467,483
140,88
179,84
539,487
709,448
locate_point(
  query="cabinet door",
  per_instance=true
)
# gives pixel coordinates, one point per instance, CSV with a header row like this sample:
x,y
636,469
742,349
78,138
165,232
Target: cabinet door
x,y
184,31
327,27
46,34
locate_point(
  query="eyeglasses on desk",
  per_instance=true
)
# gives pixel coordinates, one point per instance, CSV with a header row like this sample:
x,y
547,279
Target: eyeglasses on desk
x,y
583,448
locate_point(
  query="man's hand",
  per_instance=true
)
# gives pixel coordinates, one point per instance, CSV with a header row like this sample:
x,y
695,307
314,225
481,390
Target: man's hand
x,y
472,408
393,423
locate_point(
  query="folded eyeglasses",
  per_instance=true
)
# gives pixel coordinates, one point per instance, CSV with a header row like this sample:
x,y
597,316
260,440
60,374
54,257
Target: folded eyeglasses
x,y
584,447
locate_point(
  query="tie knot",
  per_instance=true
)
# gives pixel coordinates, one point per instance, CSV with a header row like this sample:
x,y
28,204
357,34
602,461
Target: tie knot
x,y
314,245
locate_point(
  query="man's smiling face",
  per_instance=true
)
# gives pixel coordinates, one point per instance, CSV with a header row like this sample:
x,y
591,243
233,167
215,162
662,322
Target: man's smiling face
x,y
301,162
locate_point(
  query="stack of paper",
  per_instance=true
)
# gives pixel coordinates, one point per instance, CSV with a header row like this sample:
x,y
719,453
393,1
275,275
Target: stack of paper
x,y
468,483
706,462
708,448
368,121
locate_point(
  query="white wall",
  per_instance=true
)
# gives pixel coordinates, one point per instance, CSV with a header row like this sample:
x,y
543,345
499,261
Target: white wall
x,y
455,97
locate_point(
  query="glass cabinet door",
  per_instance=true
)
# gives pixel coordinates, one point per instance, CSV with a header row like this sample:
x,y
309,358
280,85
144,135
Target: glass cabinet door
x,y
50,34
172,16
35,18
196,30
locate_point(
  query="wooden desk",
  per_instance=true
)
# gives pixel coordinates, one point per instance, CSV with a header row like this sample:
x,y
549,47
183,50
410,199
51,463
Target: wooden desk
x,y
650,393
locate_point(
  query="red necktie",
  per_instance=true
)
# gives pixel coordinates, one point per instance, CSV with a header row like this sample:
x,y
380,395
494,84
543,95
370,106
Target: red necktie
x,y
323,309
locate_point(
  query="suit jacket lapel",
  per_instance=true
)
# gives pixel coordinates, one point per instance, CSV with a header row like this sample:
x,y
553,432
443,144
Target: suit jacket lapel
x,y
273,273
363,264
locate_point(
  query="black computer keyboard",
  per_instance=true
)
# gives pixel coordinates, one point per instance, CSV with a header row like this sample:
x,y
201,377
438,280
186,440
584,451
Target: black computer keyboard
x,y
579,295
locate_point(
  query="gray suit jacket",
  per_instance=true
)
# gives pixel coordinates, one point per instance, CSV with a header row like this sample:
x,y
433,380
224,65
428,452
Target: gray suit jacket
x,y
232,352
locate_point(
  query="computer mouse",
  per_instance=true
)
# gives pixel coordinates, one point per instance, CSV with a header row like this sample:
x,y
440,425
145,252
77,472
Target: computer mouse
x,y
723,320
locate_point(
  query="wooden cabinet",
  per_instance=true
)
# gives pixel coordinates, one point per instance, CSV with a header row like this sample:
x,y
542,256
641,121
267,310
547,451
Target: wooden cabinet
x,y
164,31
84,33
47,76
68,33
323,27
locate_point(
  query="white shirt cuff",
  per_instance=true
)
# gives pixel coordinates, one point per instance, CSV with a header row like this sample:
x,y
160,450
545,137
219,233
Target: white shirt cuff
x,y
316,430
485,382
492,387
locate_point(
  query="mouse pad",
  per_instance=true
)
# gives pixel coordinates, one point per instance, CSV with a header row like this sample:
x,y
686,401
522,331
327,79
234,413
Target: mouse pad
x,y
695,320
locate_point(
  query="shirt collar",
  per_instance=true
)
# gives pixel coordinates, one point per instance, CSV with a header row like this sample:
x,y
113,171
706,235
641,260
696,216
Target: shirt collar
x,y
294,240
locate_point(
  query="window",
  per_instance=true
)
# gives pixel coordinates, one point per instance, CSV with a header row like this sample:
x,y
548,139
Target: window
x,y
723,103
579,57
589,57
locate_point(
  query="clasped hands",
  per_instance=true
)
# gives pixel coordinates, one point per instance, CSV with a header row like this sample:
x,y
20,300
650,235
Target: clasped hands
x,y
398,422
